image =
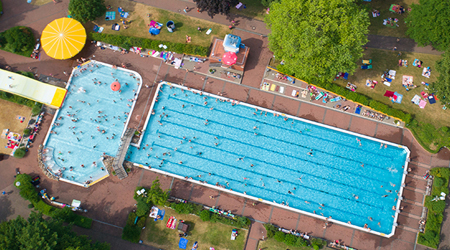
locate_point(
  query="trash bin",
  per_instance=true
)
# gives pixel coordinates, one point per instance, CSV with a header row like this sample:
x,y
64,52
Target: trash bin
x,y
170,26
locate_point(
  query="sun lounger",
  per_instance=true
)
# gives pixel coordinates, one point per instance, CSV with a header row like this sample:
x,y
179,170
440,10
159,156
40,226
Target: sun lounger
x,y
335,99
319,96
273,87
358,110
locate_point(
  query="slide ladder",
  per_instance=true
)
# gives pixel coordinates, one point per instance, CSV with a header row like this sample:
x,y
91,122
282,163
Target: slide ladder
x,y
122,153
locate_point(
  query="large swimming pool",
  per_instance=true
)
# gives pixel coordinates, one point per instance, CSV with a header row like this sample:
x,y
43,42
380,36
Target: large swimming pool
x,y
307,166
90,122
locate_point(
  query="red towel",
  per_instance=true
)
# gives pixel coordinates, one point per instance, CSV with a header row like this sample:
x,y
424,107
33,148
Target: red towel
x,y
389,93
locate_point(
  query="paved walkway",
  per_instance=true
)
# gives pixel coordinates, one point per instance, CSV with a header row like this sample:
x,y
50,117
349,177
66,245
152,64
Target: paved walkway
x,y
404,44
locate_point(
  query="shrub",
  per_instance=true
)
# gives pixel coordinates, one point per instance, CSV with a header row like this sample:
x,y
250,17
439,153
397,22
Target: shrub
x,y
243,221
30,205
26,132
184,208
438,206
280,236
127,42
317,243
439,182
131,218
198,208
87,10
271,230
19,40
36,108
142,208
82,221
20,153
65,214
205,215
290,239
301,242
131,233
44,208
141,222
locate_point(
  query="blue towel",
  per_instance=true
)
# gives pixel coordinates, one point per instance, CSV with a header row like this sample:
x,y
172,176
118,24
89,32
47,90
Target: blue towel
x,y
358,110
183,243
346,76
161,213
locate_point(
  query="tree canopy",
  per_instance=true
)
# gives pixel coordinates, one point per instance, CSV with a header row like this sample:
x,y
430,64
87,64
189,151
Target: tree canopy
x,y
86,10
442,85
214,7
429,23
18,39
38,233
317,38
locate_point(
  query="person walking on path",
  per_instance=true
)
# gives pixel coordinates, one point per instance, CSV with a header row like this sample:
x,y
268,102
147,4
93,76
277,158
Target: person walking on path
x,y
4,193
186,9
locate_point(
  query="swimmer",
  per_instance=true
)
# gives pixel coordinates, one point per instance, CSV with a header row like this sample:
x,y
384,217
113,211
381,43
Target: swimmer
x,y
307,202
255,127
362,165
370,218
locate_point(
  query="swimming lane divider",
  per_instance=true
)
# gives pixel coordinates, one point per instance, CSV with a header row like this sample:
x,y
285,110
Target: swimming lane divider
x,y
278,152
254,172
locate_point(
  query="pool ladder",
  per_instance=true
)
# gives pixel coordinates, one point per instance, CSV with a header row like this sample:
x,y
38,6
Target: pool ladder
x,y
122,153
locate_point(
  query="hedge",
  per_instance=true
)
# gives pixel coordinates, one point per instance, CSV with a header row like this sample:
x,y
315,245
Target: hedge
x,y
29,192
292,240
127,42
132,232
431,236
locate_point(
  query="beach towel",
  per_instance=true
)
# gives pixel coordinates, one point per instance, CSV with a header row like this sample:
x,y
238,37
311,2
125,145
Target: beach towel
x,y
183,243
174,224
431,99
367,61
389,93
319,96
208,31
115,27
335,99
397,97
426,72
265,86
170,221
422,104
110,15
358,109
416,100
392,74
281,90
416,61
387,84
345,76
124,14
273,87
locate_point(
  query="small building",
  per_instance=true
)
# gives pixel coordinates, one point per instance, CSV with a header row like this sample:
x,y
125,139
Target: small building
x,y
230,53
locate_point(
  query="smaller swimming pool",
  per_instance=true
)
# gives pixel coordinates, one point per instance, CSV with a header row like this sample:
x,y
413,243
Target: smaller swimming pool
x,y
90,122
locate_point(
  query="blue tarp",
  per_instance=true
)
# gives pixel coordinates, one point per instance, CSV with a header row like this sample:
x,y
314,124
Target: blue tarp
x,y
399,97
183,243
154,31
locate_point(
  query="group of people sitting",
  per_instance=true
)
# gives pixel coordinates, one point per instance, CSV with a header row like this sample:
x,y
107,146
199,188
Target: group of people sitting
x,y
188,39
373,115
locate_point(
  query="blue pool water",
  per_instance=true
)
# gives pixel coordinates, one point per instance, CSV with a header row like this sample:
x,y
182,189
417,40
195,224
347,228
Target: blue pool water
x,y
332,176
91,143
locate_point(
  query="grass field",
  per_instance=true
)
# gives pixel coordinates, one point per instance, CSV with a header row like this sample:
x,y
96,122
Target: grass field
x,y
207,234
376,23
383,60
8,120
254,9
141,15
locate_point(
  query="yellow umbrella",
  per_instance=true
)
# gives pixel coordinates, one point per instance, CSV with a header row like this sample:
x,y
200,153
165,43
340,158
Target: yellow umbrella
x,y
63,38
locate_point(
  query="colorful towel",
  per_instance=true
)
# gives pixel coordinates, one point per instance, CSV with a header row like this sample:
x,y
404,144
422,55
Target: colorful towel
x,y
389,93
110,15
358,109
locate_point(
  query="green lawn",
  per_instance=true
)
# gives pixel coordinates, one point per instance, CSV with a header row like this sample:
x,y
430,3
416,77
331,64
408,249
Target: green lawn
x,y
141,15
207,234
376,23
254,9
383,60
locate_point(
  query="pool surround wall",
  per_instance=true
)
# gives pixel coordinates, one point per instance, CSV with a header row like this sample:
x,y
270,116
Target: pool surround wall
x,y
124,129
271,202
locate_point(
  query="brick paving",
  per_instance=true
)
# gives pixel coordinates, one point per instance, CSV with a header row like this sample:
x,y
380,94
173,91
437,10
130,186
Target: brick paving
x,y
111,199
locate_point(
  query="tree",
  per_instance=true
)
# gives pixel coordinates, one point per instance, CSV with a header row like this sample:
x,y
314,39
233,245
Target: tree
x,y
442,85
216,6
38,233
429,23
267,3
18,39
156,195
317,38
86,10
